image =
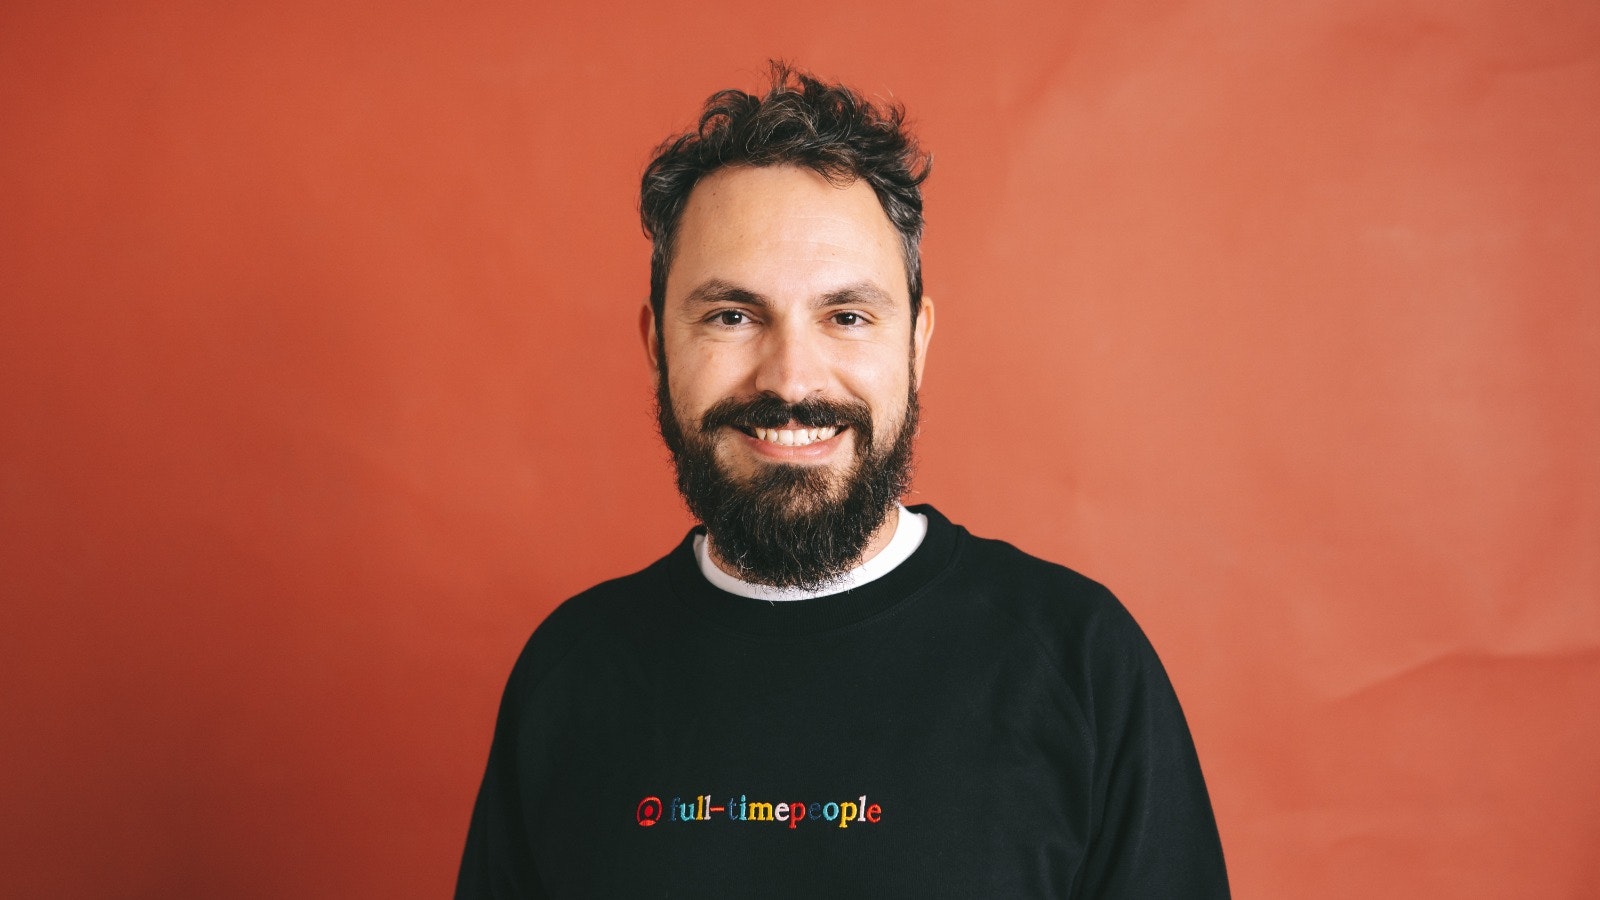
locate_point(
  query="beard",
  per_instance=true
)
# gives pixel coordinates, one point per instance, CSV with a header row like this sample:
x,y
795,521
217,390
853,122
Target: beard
x,y
789,526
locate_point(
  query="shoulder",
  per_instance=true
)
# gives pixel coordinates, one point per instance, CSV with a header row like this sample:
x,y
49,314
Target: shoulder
x,y
1037,590
1076,621
608,613
1016,571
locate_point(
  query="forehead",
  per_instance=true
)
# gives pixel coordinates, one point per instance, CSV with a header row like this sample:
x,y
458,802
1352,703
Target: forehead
x,y
784,231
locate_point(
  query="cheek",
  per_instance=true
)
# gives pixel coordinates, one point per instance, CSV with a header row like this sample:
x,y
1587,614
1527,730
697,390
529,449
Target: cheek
x,y
686,379
699,376
695,386
880,379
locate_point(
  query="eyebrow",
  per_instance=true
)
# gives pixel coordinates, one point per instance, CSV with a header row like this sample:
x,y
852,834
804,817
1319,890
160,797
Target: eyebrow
x,y
718,291
862,293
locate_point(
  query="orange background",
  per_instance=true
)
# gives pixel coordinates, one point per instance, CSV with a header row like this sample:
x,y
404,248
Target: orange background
x,y
321,387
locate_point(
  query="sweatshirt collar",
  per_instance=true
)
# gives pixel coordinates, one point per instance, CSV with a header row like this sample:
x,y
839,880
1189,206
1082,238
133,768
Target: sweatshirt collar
x,y
932,557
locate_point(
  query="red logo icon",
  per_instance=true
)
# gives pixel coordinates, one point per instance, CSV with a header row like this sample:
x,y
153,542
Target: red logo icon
x,y
649,811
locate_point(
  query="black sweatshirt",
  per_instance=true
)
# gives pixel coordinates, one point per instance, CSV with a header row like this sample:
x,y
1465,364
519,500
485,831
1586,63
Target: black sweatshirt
x,y
975,723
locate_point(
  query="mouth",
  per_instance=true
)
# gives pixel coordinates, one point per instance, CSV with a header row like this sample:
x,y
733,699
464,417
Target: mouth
x,y
793,437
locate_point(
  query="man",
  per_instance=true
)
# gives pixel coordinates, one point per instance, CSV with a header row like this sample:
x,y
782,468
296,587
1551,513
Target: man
x,y
822,693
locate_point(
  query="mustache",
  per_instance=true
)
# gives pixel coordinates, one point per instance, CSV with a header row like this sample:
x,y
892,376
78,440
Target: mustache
x,y
771,411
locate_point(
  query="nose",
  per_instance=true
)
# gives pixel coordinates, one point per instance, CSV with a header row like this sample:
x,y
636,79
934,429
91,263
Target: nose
x,y
793,363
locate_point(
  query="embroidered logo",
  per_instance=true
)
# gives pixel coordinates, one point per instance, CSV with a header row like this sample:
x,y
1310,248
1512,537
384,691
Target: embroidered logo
x,y
841,814
649,811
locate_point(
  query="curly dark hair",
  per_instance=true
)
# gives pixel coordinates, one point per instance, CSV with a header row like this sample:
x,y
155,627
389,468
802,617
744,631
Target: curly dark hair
x,y
828,128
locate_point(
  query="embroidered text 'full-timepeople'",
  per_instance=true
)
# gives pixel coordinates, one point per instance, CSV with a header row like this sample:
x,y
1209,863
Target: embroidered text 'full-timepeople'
x,y
651,811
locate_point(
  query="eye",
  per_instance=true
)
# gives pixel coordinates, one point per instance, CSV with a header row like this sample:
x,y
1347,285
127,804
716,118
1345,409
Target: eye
x,y
729,317
849,319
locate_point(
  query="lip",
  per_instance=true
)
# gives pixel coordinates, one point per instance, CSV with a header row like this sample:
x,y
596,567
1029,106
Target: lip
x,y
815,452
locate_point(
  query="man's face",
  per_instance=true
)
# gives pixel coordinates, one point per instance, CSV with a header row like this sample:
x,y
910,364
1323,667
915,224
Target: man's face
x,y
790,355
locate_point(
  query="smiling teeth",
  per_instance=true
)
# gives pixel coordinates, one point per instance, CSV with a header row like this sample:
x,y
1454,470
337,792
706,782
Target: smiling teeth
x,y
795,437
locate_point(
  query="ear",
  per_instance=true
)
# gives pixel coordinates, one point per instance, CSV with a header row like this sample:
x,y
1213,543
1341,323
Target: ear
x,y
921,337
647,331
